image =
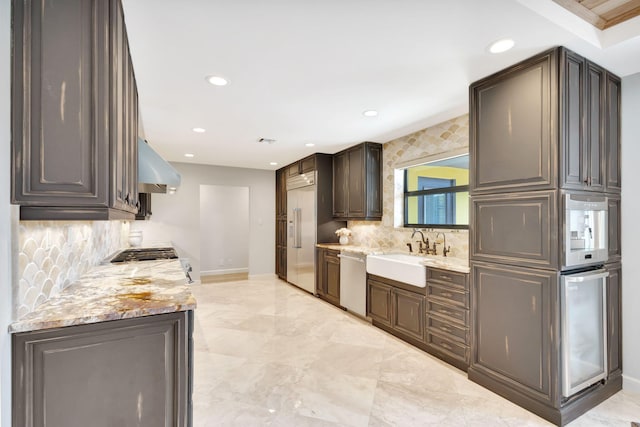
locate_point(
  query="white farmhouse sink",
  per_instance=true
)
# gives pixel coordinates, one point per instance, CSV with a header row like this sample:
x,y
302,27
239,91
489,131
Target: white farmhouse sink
x,y
401,267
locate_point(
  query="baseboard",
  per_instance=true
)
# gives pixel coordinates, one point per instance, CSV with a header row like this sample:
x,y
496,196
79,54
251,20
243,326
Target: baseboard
x,y
264,276
630,383
223,271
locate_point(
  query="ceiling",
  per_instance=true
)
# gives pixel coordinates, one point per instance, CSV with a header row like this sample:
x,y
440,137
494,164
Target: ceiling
x,y
603,14
303,72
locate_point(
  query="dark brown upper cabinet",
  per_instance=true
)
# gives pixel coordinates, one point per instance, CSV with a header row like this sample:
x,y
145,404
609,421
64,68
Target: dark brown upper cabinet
x,y
305,165
357,182
75,111
551,121
582,147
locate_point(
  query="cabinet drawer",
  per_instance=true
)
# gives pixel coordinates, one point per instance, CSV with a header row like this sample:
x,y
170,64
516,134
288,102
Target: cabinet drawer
x,y
450,294
451,348
458,279
332,254
449,330
448,312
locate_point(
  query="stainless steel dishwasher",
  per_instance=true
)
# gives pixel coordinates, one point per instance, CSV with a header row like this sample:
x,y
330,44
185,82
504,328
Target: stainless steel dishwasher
x,y
353,282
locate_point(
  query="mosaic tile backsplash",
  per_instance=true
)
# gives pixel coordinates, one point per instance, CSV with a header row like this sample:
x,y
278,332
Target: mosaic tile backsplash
x,y
444,137
53,254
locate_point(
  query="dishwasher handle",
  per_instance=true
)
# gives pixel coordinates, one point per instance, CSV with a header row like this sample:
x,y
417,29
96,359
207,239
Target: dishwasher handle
x,y
351,258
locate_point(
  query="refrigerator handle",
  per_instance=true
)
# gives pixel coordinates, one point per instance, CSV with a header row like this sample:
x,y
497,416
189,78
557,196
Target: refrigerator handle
x,y
297,229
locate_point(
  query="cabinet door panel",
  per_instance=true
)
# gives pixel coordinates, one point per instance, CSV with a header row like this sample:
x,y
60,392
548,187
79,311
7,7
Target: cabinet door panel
x,y
614,317
519,228
512,137
340,185
59,121
512,326
124,372
573,158
379,302
373,154
612,133
409,313
332,276
356,182
614,232
595,127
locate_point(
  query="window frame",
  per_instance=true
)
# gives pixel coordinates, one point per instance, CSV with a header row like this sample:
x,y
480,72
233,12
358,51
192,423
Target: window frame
x,y
446,190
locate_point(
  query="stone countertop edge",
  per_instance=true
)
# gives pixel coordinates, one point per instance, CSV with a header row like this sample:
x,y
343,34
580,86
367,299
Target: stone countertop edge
x,y
114,292
453,264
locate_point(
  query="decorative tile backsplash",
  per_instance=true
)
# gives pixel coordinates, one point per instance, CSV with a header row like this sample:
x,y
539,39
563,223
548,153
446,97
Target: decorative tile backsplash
x,y
444,137
53,254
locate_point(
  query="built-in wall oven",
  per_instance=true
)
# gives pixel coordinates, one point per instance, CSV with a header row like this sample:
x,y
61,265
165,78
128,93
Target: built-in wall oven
x,y
583,292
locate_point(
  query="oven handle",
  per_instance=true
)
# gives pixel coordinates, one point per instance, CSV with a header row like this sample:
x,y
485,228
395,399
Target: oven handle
x,y
589,275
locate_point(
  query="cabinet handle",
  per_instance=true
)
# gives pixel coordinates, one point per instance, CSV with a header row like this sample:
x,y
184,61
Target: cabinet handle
x,y
443,311
445,345
445,329
446,294
443,277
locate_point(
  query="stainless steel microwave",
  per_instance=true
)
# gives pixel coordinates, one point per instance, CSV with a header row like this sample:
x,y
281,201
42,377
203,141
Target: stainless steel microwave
x,y
586,229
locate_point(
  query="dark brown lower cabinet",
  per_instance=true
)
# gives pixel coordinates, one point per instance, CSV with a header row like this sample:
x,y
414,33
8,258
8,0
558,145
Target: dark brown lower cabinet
x,y
397,308
516,327
408,313
132,372
328,275
379,301
447,329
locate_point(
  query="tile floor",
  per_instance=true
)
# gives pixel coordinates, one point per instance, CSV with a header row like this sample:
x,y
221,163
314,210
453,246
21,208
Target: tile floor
x,y
267,353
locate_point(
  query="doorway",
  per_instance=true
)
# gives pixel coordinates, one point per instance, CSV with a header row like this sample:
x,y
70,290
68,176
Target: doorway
x,y
224,228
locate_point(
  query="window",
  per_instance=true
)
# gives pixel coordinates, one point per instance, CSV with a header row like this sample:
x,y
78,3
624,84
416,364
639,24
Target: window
x,y
436,194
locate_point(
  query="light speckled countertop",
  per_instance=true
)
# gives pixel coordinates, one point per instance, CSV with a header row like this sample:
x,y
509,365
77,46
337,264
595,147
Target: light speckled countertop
x,y
112,292
435,261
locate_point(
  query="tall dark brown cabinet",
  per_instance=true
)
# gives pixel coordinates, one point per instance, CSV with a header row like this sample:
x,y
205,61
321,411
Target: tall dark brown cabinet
x,y
281,223
326,225
74,111
539,129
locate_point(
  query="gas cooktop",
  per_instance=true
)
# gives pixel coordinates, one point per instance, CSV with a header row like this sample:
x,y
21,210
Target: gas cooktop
x,y
145,254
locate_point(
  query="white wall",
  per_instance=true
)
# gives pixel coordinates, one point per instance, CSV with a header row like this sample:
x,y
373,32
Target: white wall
x,y
176,217
224,227
631,232
5,217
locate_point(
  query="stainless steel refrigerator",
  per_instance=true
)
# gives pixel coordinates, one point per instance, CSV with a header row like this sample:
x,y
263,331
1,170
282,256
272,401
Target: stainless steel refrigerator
x,y
301,230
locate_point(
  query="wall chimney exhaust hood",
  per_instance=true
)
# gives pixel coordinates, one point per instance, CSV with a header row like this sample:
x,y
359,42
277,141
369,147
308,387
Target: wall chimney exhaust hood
x,y
154,173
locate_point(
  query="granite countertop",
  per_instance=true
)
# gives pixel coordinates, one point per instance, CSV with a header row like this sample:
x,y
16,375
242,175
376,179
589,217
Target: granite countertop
x,y
365,250
437,261
113,292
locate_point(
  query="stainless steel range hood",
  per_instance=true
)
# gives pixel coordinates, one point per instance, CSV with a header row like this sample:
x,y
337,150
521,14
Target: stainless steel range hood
x,y
154,173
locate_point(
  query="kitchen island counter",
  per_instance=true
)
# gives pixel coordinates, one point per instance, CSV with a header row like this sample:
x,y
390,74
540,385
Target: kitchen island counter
x,y
113,292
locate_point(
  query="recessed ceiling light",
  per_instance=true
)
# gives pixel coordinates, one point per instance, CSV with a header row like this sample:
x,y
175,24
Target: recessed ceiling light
x,y
189,155
309,144
501,46
370,113
199,130
273,163
217,80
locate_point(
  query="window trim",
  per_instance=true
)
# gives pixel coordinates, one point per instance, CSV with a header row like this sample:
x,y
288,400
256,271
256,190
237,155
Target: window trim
x,y
445,190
